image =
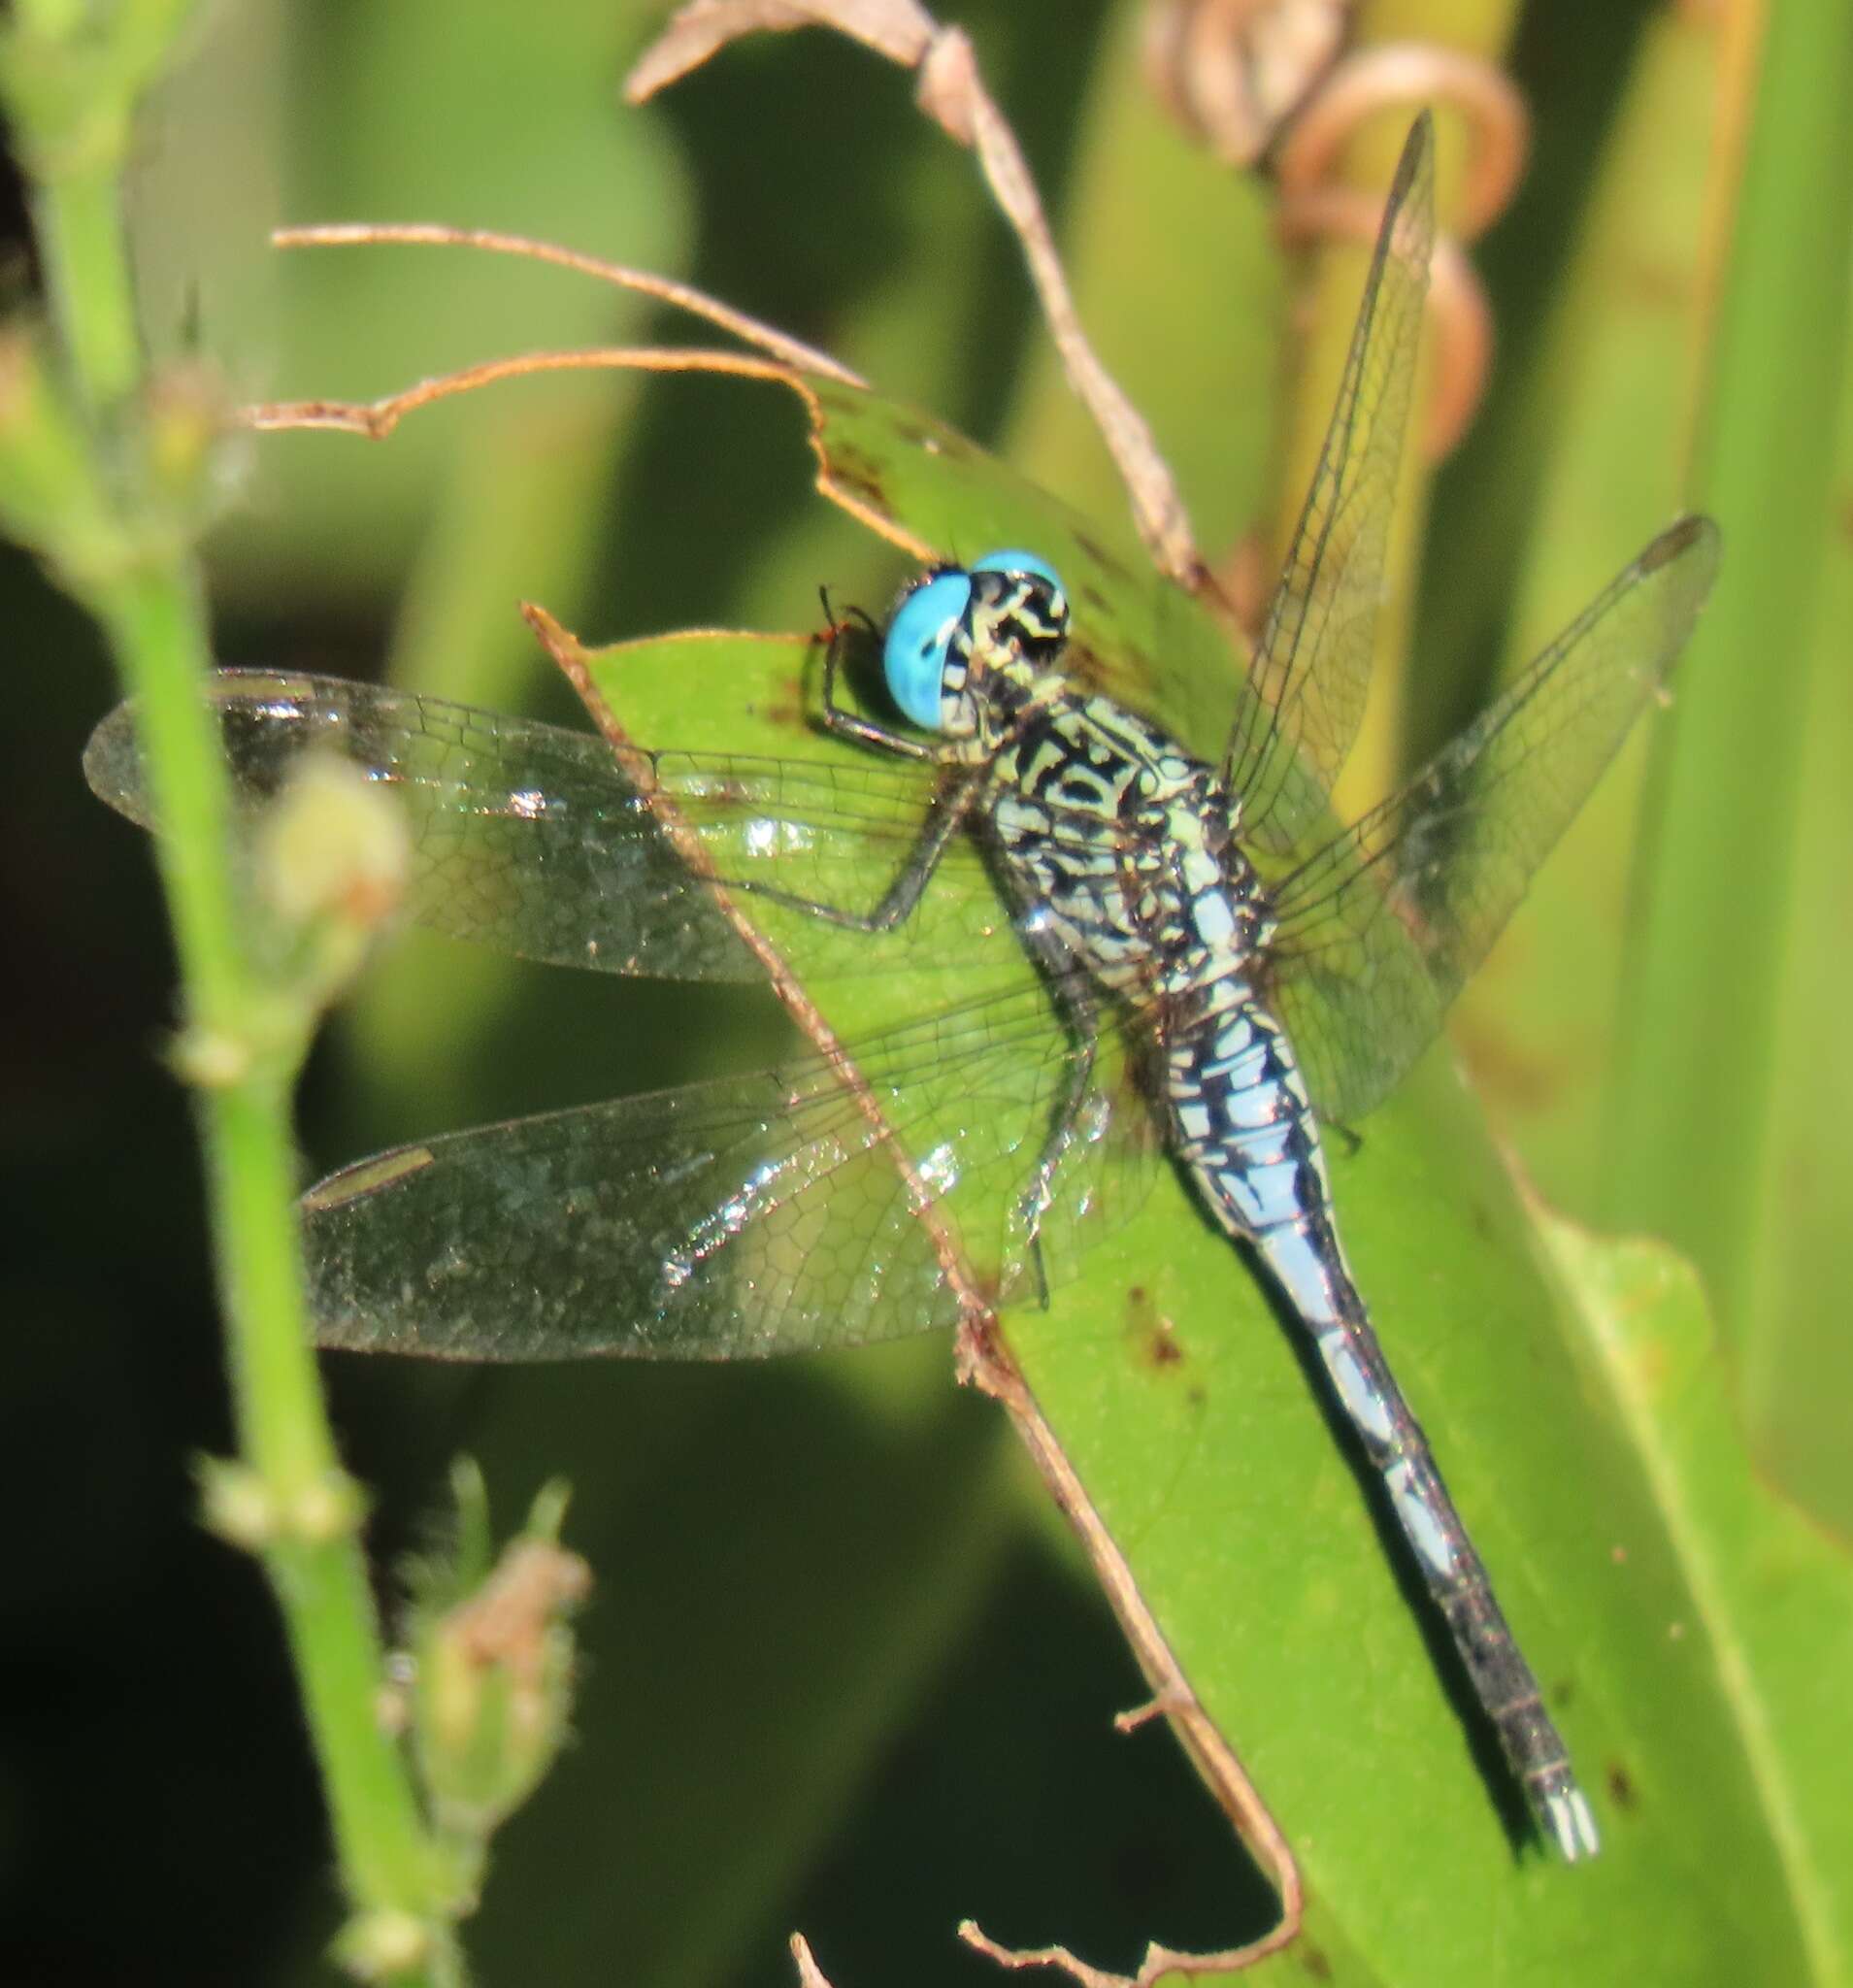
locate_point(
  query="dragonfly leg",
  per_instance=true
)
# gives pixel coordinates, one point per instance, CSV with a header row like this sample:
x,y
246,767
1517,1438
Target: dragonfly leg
x,y
1074,996
842,723
898,901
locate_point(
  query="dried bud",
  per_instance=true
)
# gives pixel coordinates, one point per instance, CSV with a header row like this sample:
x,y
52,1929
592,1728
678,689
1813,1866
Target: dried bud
x,y
374,1946
494,1681
192,444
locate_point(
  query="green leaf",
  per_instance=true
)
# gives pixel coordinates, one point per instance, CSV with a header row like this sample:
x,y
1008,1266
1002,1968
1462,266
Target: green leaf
x,y
1186,1407
1706,1002
1764,1593
1599,419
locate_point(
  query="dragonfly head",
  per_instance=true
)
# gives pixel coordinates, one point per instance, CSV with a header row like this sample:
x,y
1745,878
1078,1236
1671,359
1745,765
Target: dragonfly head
x,y
956,621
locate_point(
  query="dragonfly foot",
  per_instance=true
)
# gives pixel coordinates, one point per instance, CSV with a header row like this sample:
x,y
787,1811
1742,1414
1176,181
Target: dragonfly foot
x,y
1030,1211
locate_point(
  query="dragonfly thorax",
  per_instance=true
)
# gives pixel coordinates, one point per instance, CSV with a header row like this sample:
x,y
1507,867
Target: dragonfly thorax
x,y
1121,837
1113,838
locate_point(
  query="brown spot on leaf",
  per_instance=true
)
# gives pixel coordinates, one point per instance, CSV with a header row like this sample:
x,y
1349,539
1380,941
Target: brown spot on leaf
x,y
787,709
1099,553
912,429
858,481
1621,1786
1496,1063
1153,1333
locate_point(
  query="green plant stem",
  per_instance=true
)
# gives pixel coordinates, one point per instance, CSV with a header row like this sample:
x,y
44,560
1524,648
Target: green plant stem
x,y
247,1040
1692,1103
157,628
321,1583
79,229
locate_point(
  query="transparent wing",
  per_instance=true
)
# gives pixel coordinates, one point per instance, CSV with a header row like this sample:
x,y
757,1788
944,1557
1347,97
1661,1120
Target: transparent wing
x,y
1299,712
736,1218
1379,930
529,838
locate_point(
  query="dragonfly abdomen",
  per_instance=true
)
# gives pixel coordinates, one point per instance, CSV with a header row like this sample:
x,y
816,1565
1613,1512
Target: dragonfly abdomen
x,y
1244,1132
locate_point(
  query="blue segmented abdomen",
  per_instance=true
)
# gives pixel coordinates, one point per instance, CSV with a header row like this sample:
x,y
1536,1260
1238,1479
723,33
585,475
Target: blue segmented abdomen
x,y
1118,850
1244,1131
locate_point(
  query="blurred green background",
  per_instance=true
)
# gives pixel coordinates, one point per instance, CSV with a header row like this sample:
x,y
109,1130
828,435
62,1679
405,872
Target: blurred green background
x,y
845,1672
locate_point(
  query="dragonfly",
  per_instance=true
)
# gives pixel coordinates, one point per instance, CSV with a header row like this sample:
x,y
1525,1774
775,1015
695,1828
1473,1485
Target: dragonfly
x,y
1219,970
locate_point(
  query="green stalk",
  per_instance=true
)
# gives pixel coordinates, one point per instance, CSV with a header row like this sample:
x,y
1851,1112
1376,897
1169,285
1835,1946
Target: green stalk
x,y
78,222
84,487
158,630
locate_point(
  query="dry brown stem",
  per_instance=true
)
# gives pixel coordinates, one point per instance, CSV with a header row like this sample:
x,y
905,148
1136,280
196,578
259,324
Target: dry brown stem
x,y
1408,74
764,338
810,1974
1235,72
985,1363
949,90
1259,79
378,418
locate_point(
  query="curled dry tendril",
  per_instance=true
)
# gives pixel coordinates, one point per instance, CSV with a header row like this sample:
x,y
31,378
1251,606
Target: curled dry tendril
x,y
1272,82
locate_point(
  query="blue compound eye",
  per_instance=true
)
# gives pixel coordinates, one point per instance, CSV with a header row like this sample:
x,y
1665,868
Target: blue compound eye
x,y
1014,561
913,654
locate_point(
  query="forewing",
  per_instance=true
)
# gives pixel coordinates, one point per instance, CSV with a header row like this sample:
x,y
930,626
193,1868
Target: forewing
x,y
1379,929
1299,712
529,838
776,1213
